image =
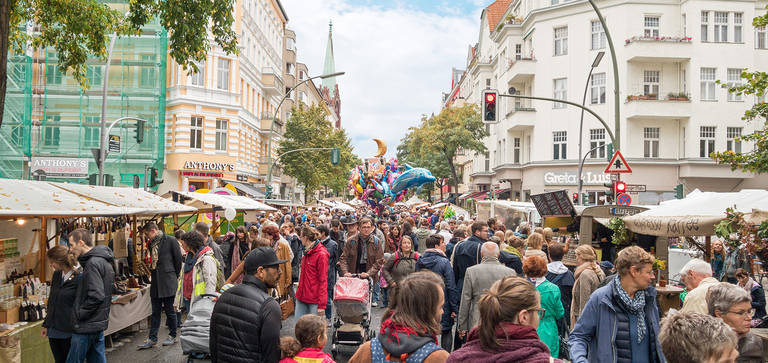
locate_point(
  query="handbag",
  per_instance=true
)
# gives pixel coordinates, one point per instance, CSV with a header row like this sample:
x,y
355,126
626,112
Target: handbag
x,y
287,305
562,339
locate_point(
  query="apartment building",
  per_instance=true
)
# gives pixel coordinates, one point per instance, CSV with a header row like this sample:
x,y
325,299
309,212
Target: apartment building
x,y
673,113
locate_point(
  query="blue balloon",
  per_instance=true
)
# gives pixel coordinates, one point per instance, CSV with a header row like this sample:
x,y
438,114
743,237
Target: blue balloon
x,y
411,177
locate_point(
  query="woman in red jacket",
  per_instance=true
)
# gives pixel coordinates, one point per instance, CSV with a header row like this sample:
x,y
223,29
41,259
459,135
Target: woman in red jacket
x,y
311,295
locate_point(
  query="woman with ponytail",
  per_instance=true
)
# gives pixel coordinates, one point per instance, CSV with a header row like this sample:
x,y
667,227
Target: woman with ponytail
x,y
588,277
57,325
509,314
311,295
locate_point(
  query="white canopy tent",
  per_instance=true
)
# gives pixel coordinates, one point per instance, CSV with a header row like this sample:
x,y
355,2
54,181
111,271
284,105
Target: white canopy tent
x,y
696,214
127,198
414,201
236,202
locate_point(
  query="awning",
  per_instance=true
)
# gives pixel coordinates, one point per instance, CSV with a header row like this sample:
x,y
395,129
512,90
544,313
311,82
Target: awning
x,y
413,201
208,200
475,195
248,189
127,198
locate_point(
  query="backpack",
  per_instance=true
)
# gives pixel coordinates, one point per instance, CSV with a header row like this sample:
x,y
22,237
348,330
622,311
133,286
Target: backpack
x,y
417,356
397,258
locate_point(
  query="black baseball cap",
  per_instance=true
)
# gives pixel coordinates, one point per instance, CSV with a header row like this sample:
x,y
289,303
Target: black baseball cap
x,y
350,220
261,256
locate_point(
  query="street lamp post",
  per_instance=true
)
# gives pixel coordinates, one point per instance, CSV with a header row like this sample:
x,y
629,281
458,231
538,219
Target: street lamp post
x,y
102,155
102,150
616,106
268,184
595,63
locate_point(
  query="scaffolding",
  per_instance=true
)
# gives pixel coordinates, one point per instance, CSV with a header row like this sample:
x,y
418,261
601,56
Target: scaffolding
x,y
47,114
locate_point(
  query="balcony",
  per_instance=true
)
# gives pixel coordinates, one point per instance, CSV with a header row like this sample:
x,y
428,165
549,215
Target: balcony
x,y
670,107
520,115
272,81
508,171
656,49
481,177
522,69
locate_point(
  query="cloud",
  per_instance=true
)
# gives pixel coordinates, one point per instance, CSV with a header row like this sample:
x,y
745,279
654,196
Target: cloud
x,y
397,58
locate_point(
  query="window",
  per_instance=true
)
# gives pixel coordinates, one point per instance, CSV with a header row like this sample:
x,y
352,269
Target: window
x,y
734,80
651,142
733,143
92,131
147,78
738,22
721,26
221,135
559,140
198,78
93,73
651,27
598,88
222,74
597,143
706,141
516,150
651,84
561,92
487,83
196,133
561,41
761,38
598,35
51,131
708,84
17,135
518,51
704,26
52,73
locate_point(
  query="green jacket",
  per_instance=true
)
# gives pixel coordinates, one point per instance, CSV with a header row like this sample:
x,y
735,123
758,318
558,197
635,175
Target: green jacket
x,y
550,301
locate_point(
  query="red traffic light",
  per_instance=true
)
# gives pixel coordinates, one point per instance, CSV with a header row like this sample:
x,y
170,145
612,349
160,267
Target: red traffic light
x,y
490,97
621,187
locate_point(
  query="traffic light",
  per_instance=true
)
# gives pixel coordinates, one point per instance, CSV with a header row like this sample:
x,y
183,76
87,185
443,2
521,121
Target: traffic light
x,y
335,156
609,152
621,187
154,178
584,198
140,131
610,194
575,198
679,191
489,106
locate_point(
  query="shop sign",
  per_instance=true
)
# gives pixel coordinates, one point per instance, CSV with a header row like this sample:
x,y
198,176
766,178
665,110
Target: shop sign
x,y
60,167
202,174
204,165
570,178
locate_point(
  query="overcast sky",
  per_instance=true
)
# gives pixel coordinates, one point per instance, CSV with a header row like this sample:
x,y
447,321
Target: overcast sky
x,y
397,56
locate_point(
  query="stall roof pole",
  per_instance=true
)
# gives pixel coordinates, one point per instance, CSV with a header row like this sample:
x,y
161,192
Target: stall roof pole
x,y
43,246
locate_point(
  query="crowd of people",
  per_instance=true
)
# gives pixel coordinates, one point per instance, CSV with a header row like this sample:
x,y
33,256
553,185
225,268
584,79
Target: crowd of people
x,y
452,290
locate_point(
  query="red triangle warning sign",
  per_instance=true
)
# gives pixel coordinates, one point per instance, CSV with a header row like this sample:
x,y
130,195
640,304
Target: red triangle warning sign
x,y
618,164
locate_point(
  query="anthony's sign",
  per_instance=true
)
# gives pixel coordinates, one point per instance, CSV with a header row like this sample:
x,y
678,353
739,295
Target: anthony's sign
x,y
60,167
204,165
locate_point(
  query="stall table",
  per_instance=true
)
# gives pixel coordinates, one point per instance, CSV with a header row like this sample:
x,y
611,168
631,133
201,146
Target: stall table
x,y
669,298
33,346
129,309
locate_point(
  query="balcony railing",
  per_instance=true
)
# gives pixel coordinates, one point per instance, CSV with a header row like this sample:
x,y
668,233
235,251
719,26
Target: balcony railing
x,y
670,39
672,96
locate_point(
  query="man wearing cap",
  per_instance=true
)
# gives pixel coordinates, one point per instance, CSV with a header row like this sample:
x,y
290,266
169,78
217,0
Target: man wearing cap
x,y
245,324
350,225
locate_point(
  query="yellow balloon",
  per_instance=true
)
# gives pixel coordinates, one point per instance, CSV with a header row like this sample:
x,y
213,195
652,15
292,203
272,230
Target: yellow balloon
x,y
382,147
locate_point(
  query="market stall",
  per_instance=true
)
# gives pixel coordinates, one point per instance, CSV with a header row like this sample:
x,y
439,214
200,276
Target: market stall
x,y
509,213
223,212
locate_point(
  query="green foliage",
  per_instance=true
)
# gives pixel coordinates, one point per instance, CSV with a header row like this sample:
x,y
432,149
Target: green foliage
x,y
309,128
755,161
620,231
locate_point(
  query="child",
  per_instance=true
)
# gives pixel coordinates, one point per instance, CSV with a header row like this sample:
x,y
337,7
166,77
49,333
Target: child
x,y
309,342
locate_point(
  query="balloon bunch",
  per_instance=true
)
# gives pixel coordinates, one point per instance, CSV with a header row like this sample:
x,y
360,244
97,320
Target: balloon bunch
x,y
449,212
381,184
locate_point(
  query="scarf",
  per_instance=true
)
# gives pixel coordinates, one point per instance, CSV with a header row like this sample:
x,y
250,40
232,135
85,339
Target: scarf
x,y
236,260
154,248
536,281
592,266
635,306
749,285
513,251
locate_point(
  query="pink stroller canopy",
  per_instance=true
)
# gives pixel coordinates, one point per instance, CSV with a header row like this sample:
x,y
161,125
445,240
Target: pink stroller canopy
x,y
351,288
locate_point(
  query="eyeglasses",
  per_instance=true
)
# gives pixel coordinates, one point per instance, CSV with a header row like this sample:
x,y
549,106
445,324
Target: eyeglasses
x,y
744,314
542,312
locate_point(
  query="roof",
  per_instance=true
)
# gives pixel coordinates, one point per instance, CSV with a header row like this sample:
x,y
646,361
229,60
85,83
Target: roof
x,y
496,11
203,200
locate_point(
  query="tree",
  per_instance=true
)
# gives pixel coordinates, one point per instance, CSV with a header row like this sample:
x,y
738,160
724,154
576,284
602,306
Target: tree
x,y
755,161
77,29
309,128
439,137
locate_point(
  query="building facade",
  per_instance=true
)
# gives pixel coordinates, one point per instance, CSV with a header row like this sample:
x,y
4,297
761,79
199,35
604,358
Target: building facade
x,y
673,113
219,118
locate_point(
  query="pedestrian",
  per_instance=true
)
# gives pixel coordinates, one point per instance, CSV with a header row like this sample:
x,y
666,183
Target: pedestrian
x,y
478,279
407,230
697,277
535,242
245,323
204,229
435,260
309,342
236,251
362,254
93,298
399,265
718,260
515,245
333,262
620,322
735,259
459,234
165,266
57,326
510,312
561,276
445,231
587,279
204,278
467,253
755,290
288,233
535,269
410,324
389,246
508,259
312,293
734,305
283,251
694,337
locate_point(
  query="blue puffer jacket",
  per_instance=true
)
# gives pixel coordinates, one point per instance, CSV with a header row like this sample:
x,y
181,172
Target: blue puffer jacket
x,y
602,332
439,264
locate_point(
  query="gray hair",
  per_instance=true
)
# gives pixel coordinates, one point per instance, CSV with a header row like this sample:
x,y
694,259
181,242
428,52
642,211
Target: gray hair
x,y
723,296
444,225
682,334
489,249
697,265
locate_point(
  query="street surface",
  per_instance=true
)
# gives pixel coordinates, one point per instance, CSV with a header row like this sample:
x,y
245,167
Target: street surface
x,y
127,352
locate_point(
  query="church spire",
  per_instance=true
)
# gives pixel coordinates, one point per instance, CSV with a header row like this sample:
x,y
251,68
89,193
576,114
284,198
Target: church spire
x,y
330,63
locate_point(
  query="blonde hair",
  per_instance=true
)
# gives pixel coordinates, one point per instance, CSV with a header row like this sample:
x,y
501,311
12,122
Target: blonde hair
x,y
535,241
586,253
548,234
502,303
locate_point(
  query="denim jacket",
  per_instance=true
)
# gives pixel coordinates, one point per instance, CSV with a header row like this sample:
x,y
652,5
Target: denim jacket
x,y
593,337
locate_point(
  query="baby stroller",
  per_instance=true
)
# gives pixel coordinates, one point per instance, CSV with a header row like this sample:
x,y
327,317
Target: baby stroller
x,y
196,329
351,320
